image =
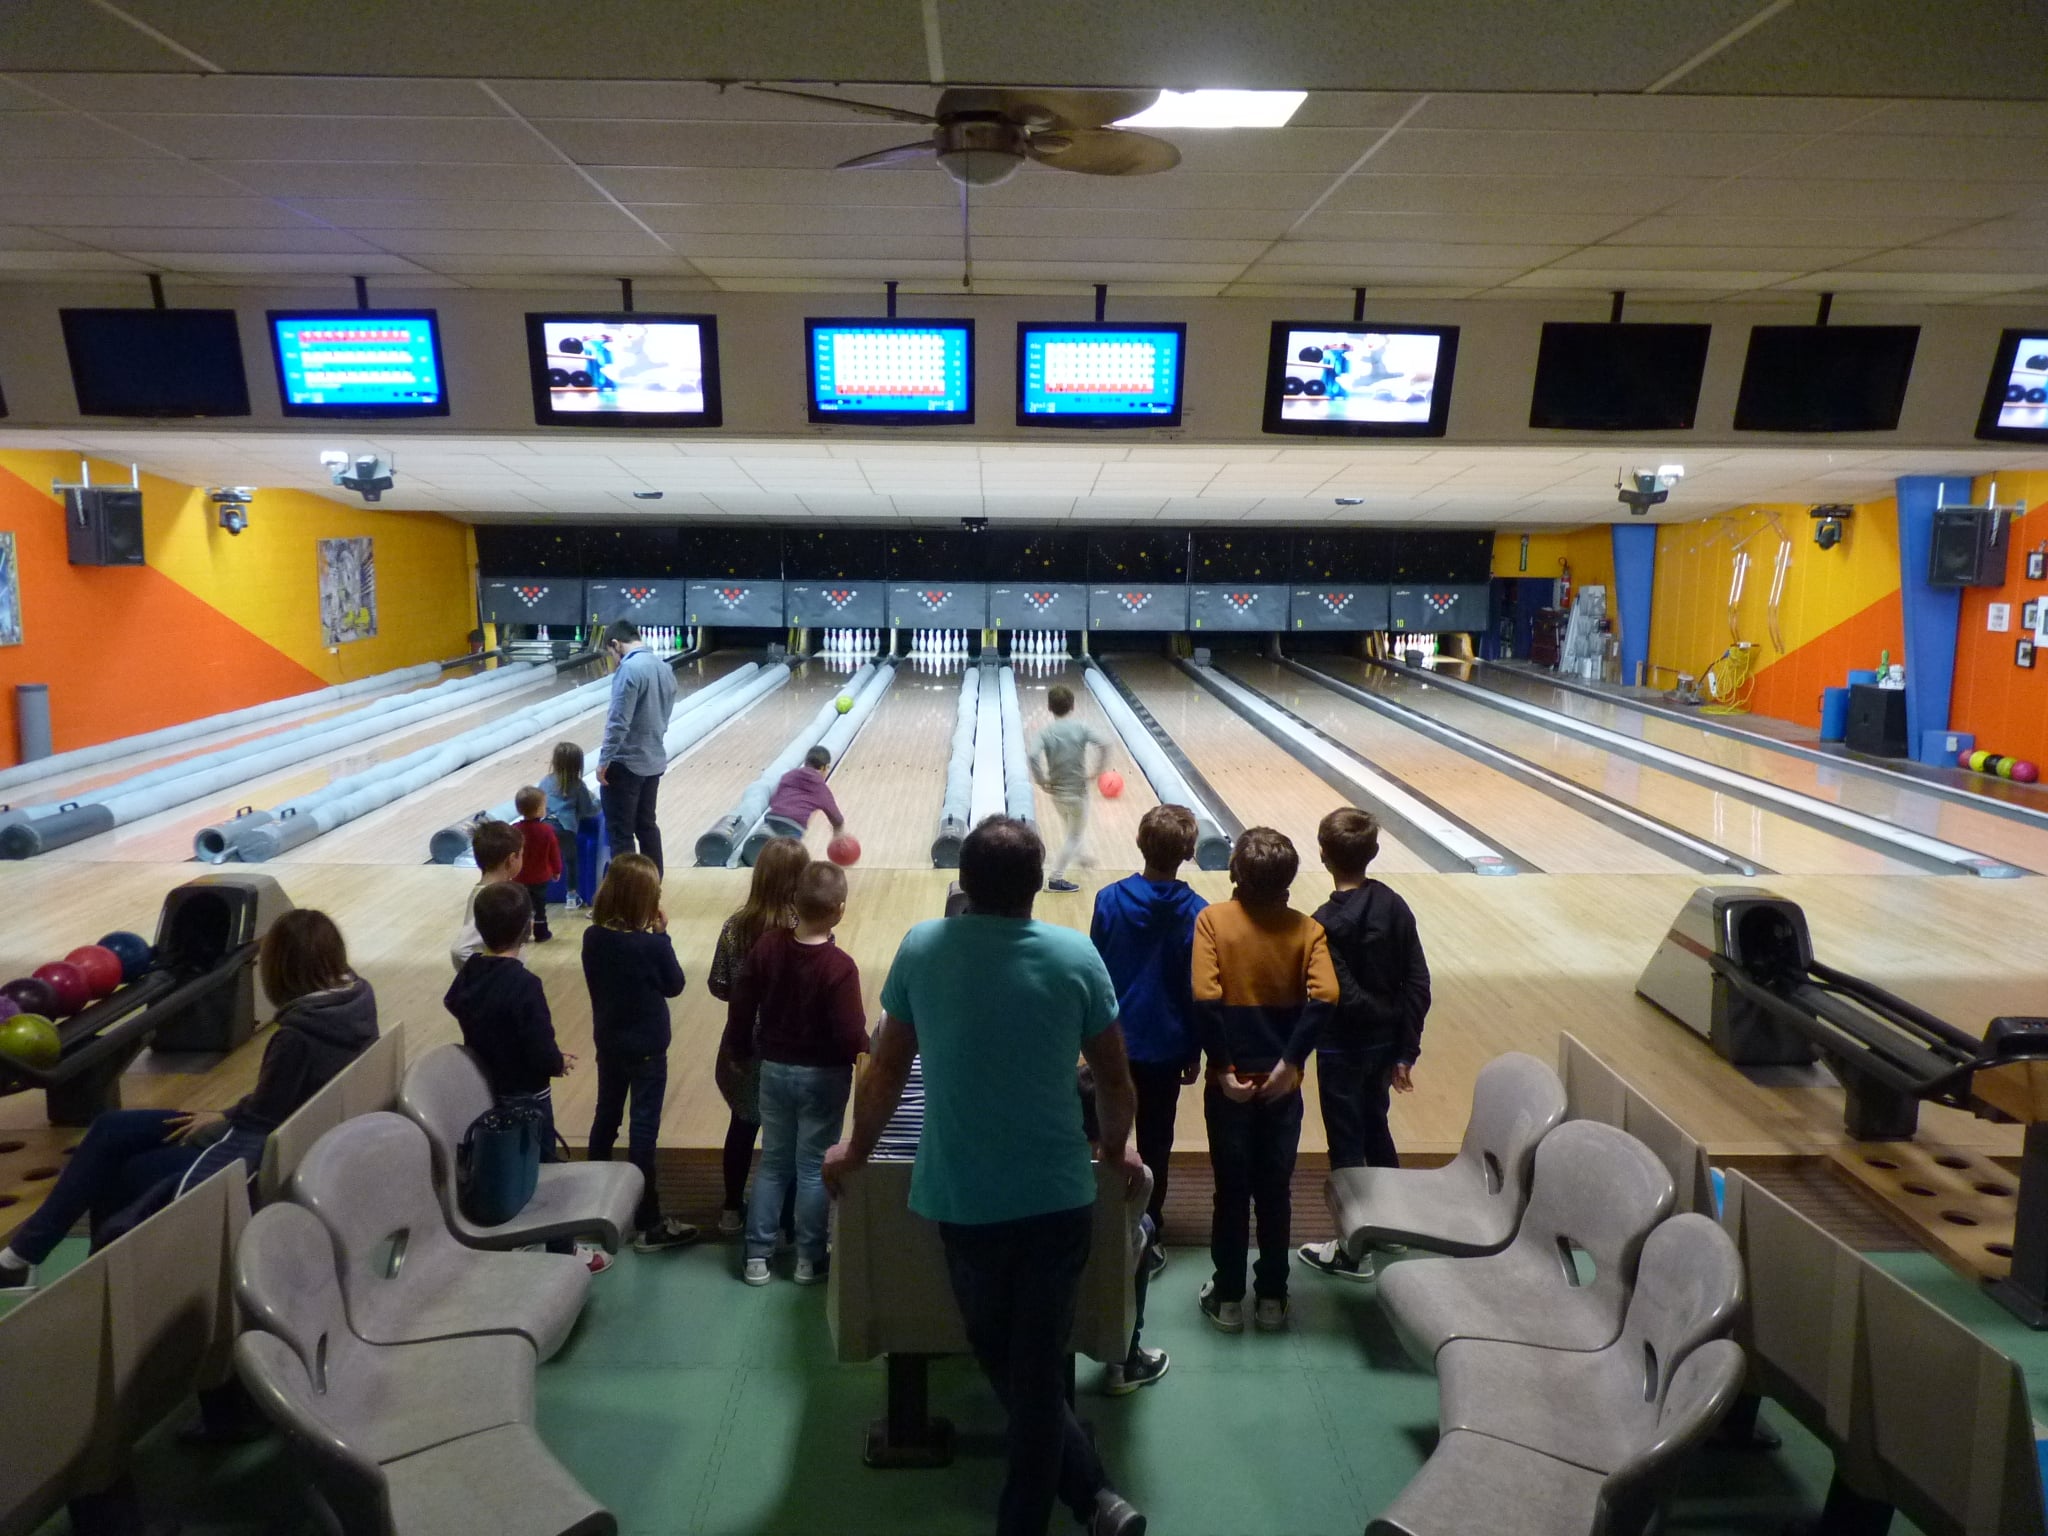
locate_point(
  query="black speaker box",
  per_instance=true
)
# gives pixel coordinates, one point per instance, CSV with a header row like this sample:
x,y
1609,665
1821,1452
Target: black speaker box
x,y
103,527
1969,548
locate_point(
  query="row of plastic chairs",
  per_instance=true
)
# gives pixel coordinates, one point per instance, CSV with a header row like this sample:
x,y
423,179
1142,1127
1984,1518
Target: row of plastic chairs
x,y
395,1344
1575,1325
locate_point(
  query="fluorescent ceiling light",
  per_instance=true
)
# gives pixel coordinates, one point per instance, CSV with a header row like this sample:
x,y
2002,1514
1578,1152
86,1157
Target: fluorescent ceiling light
x,y
1219,109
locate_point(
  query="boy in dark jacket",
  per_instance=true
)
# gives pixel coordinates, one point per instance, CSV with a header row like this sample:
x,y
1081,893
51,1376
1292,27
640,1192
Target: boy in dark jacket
x,y
1264,991
1372,1042
1144,929
802,993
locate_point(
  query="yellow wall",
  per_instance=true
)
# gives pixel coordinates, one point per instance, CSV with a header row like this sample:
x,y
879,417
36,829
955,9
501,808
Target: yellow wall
x,y
1588,551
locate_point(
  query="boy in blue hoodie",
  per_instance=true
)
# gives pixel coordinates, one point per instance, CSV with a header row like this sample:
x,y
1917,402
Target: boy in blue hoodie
x,y
1144,929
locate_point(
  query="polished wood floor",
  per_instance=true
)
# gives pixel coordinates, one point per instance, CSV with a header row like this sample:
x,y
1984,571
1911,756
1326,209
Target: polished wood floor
x,y
1515,961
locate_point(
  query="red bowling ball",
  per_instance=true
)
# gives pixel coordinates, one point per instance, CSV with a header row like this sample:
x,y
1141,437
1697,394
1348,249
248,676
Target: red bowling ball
x,y
68,983
843,850
1111,784
102,967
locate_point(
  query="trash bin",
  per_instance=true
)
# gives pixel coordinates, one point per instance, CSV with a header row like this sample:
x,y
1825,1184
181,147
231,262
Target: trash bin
x,y
204,922
1834,713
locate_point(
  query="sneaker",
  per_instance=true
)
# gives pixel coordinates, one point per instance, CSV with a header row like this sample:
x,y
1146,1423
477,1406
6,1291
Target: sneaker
x,y
1226,1315
542,935
756,1272
1155,1262
1269,1314
1062,886
731,1223
594,1257
810,1273
17,1280
1115,1516
669,1232
1141,1370
1331,1259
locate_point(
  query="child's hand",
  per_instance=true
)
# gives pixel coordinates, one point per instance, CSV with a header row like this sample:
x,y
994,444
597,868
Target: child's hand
x,y
1402,1078
1235,1088
660,921
568,1063
1281,1081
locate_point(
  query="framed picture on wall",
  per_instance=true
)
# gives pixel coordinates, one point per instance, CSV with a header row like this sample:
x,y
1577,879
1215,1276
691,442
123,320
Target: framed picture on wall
x,y
10,593
2029,613
2023,654
2037,565
348,590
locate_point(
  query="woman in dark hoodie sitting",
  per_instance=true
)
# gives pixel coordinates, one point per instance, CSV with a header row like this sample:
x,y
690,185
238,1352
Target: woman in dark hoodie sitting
x,y
133,1162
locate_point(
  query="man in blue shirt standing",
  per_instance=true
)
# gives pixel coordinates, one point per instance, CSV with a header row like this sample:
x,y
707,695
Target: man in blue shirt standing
x,y
632,759
1003,1165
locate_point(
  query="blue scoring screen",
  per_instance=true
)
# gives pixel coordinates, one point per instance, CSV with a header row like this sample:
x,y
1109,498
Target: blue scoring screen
x,y
359,360
1085,372
900,370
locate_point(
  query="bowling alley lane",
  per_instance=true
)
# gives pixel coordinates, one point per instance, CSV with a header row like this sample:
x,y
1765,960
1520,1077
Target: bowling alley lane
x,y
1111,842
891,780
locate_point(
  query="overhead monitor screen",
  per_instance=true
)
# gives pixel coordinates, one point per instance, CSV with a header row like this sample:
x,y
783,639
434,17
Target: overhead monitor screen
x,y
1099,375
157,363
891,372
1359,380
1825,378
624,370
1618,378
2016,404
359,362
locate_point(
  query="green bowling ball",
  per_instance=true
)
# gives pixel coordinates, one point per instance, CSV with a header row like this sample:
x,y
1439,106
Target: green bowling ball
x,y
30,1039
845,703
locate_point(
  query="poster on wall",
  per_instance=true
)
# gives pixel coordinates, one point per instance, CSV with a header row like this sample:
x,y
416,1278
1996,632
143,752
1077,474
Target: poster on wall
x,y
348,590
10,593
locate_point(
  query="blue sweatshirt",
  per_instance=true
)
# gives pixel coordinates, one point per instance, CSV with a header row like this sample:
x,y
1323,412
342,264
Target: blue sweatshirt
x,y
1145,933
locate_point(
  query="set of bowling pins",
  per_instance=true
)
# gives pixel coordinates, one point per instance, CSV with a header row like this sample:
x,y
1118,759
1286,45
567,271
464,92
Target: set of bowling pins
x,y
663,637
849,644
1403,642
1038,645
938,643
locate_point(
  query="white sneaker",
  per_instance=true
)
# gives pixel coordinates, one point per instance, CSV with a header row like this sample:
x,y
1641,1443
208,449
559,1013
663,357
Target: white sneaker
x,y
1331,1259
731,1223
1269,1314
1226,1315
594,1258
808,1273
756,1272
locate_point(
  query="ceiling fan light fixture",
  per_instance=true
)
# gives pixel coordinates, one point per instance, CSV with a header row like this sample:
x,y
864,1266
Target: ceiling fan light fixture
x,y
980,167
1219,109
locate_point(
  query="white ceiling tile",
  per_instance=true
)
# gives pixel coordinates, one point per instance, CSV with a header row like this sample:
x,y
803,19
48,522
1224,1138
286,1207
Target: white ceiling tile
x,y
373,214
259,94
150,212
280,263
713,146
1757,197
1920,284
298,179
1290,150
2024,232
1625,114
1711,257
480,140
1917,157
1459,228
19,263
1517,151
1546,191
1937,259
70,136
522,242
1734,233
883,188
1370,253
695,101
2006,119
248,242
121,178
1036,186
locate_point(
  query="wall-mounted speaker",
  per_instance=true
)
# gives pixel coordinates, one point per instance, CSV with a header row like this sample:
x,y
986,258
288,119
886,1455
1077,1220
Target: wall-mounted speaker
x,y
1969,547
103,526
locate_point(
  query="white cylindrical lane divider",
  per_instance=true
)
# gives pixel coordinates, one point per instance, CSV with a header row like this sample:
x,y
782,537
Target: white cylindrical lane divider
x,y
837,738
1473,852
720,843
1017,799
958,804
985,797
1212,844
172,735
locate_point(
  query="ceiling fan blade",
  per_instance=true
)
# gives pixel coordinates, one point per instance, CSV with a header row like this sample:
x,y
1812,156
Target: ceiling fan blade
x,y
873,109
896,154
1048,109
1104,152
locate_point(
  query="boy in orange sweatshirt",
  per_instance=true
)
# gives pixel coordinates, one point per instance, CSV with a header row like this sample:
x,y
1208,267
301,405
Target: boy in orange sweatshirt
x,y
1264,988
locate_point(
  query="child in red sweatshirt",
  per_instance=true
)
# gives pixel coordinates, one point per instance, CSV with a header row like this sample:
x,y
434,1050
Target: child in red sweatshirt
x,y
542,864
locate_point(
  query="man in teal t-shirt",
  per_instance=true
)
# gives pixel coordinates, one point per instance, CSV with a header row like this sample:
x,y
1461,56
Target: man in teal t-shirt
x,y
998,1006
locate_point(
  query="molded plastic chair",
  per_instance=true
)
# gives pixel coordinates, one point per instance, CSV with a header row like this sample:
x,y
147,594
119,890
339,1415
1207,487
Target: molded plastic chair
x,y
1473,1482
404,1276
1595,1190
1473,1203
444,1091
428,1438
1594,1409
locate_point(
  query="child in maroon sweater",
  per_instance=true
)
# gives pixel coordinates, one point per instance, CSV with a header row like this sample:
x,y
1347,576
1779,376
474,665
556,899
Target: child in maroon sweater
x,y
542,864
800,992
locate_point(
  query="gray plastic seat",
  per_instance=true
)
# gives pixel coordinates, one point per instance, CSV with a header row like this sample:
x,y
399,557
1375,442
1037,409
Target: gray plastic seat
x,y
1473,1203
1595,1191
443,1092
1473,1482
404,1277
431,1438
1593,1409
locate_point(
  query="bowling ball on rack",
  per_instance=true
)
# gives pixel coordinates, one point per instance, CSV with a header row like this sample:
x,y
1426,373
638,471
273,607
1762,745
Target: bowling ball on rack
x,y
1290,385
1111,783
68,982
2024,772
1315,389
101,967
843,850
844,703
8,1008
137,956
32,1040
31,995
558,378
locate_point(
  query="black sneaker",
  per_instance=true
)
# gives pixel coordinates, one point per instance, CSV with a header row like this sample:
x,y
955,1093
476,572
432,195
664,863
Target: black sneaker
x,y
1064,886
669,1232
1115,1516
17,1280
1144,1367
1226,1315
1331,1259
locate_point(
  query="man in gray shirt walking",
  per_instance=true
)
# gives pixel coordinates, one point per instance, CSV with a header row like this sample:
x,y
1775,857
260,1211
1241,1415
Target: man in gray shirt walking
x,y
631,761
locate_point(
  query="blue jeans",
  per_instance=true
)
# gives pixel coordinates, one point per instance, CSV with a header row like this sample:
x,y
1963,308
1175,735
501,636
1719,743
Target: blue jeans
x,y
801,1112
636,1086
123,1171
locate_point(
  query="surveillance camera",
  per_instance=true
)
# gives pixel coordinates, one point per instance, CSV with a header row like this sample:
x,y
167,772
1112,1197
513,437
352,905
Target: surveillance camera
x,y
232,504
1641,489
368,475
974,524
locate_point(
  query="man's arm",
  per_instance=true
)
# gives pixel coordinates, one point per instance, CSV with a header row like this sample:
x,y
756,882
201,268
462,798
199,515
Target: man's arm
x,y
875,1097
625,694
1116,1099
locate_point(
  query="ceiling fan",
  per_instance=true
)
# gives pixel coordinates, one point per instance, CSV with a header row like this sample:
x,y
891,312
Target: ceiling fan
x,y
982,136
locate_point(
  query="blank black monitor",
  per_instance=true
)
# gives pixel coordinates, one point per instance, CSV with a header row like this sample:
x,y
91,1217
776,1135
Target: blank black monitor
x,y
1825,378
1618,378
158,363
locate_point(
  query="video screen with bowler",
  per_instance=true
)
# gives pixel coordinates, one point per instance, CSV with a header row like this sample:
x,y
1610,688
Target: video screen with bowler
x,y
1344,380
624,369
2024,407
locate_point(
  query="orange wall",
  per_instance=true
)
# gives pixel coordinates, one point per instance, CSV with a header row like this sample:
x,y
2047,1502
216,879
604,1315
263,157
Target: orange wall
x,y
2005,706
212,622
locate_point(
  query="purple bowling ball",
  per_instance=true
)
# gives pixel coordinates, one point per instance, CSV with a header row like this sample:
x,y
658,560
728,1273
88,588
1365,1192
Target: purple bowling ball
x,y
8,1008
32,994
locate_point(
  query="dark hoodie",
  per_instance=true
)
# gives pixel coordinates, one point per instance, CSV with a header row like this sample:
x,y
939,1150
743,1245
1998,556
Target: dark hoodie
x,y
1145,932
1382,979
503,1011
317,1035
